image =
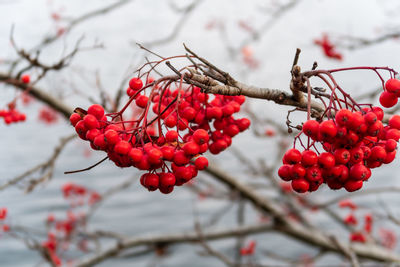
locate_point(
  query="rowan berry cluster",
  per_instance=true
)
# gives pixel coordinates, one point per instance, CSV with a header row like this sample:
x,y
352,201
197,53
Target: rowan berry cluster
x,y
189,123
343,143
4,227
60,230
328,48
353,144
390,96
12,115
48,115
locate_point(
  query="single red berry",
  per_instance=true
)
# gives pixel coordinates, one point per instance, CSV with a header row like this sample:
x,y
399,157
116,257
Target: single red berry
x,y
356,155
100,142
313,174
390,156
180,158
151,181
135,154
74,118
201,163
300,185
370,118
388,99
392,85
359,172
231,130
122,147
353,185
96,110
112,137
378,153
342,156
297,171
390,145
394,122
81,129
92,134
141,101
311,128
135,84
25,78
200,136
309,158
3,213
171,136
343,117
167,179
393,134
328,129
155,155
285,172
243,124
292,156
91,122
191,148
379,112
326,160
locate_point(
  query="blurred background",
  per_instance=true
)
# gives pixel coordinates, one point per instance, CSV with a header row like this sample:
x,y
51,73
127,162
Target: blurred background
x,y
255,41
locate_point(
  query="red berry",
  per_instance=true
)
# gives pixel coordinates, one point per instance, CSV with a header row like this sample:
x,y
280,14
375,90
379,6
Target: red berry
x,y
201,163
243,124
353,185
343,117
359,172
392,85
141,101
285,172
154,155
122,147
342,156
394,122
180,158
328,129
91,122
135,84
311,128
25,78
3,213
292,156
326,160
390,145
200,136
300,185
96,110
297,171
171,136
135,154
99,142
379,112
167,179
388,99
313,174
378,153
74,118
151,181
309,158
111,137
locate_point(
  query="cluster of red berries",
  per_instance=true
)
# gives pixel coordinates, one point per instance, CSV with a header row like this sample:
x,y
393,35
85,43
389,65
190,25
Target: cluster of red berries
x,y
192,113
354,143
61,230
3,215
11,115
79,195
48,115
249,249
390,96
328,48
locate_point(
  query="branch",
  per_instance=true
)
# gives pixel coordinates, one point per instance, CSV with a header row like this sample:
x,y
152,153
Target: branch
x,y
173,239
